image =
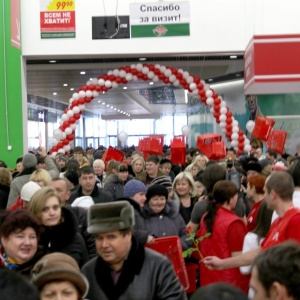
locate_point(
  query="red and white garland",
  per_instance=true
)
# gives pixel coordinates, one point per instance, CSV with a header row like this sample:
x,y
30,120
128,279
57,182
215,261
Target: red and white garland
x,y
84,95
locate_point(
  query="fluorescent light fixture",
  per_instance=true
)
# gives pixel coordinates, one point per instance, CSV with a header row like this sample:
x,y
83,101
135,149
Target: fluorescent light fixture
x,y
233,56
82,72
91,78
115,108
142,58
65,84
99,101
111,107
151,82
210,80
52,61
186,96
227,84
124,87
71,89
107,105
54,93
103,103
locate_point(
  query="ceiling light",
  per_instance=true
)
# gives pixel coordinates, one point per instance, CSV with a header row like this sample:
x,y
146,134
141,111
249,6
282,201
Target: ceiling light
x,y
210,80
65,84
151,82
118,110
71,89
52,61
103,103
99,101
91,78
115,108
238,75
233,56
82,72
142,58
103,92
111,107
107,105
124,87
54,93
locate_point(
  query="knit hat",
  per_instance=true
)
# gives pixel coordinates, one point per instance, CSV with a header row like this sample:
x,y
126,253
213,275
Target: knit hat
x,y
72,176
56,267
156,189
133,187
29,161
110,216
164,180
84,201
28,190
63,157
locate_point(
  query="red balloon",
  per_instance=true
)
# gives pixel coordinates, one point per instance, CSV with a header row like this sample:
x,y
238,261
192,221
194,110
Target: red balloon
x,y
91,87
72,120
202,93
66,124
127,69
203,99
151,67
140,75
88,99
241,139
166,80
65,142
54,148
75,103
229,114
59,145
111,77
134,71
229,121
197,79
105,77
157,71
118,80
179,76
81,101
217,101
77,116
98,88
84,88
123,81
174,71
228,128
161,77
217,108
70,137
104,89
182,82
65,111
200,86
145,77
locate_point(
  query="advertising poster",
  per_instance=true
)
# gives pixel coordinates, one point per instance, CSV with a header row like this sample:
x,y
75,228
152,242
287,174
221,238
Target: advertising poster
x,y
57,19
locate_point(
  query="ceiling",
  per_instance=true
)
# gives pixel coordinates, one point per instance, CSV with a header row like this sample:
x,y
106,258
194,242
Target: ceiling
x,y
45,78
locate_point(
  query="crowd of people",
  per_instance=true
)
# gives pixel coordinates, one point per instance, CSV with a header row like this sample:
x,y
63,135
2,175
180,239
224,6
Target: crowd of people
x,y
78,226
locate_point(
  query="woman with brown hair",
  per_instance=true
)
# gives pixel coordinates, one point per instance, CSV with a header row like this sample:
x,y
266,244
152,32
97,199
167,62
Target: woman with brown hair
x,y
60,226
227,232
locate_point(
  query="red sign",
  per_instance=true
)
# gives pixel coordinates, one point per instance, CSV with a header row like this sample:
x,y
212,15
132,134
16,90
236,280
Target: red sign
x,y
271,65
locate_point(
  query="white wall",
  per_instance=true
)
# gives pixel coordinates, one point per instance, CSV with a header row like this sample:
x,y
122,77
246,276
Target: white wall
x,y
215,26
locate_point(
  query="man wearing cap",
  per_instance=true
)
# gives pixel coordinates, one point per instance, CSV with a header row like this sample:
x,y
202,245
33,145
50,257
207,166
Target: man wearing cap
x,y
124,269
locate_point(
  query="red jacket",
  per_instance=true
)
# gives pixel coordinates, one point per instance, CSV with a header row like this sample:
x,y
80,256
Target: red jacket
x,y
280,231
217,245
251,218
17,205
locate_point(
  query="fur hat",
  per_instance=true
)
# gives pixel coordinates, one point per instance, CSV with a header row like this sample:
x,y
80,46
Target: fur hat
x,y
29,161
164,180
59,266
84,201
253,166
156,189
110,216
28,190
72,176
133,187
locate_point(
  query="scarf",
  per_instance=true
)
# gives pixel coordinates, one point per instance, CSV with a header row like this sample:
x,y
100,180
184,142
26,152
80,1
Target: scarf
x,y
8,262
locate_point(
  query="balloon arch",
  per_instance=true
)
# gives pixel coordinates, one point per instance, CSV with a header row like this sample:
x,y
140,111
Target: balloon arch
x,y
85,94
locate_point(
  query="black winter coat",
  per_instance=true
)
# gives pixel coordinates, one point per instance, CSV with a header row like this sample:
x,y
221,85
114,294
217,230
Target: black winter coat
x,y
65,238
4,192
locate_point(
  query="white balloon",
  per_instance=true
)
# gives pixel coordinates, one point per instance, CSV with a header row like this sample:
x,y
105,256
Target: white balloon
x,y
116,72
222,118
71,100
70,113
162,69
150,74
81,107
209,101
193,86
82,94
145,70
246,142
88,82
129,77
101,82
94,81
190,79
235,136
53,154
135,78
168,73
185,74
176,83
114,85
235,123
250,125
222,124
64,117
75,96
155,78
224,129
76,109
107,83
89,93
223,110
122,74
157,66
247,148
209,93
139,67
68,131
235,129
67,148
61,150
95,94
122,136
57,134
63,135
110,72
185,130
133,66
73,126
234,143
196,92
172,78
223,104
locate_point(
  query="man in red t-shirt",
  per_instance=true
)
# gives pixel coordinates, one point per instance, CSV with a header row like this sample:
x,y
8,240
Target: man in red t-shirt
x,y
279,188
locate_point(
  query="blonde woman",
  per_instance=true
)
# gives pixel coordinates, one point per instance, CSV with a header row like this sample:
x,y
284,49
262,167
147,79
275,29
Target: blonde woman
x,y
201,160
60,226
138,165
184,186
41,177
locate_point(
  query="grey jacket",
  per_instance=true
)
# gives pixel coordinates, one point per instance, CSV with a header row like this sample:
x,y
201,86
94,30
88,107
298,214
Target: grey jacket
x,y
167,223
146,275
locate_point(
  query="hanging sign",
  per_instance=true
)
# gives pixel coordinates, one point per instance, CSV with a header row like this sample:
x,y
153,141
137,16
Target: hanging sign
x,y
57,19
159,19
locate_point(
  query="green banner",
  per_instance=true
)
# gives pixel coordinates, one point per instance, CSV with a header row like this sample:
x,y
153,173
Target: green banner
x,y
161,30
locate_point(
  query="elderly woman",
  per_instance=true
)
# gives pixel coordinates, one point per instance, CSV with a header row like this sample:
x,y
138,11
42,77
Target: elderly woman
x,y
162,217
19,233
227,232
60,225
99,166
58,276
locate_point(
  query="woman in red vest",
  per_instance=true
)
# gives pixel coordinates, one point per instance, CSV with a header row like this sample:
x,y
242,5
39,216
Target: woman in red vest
x,y
227,235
